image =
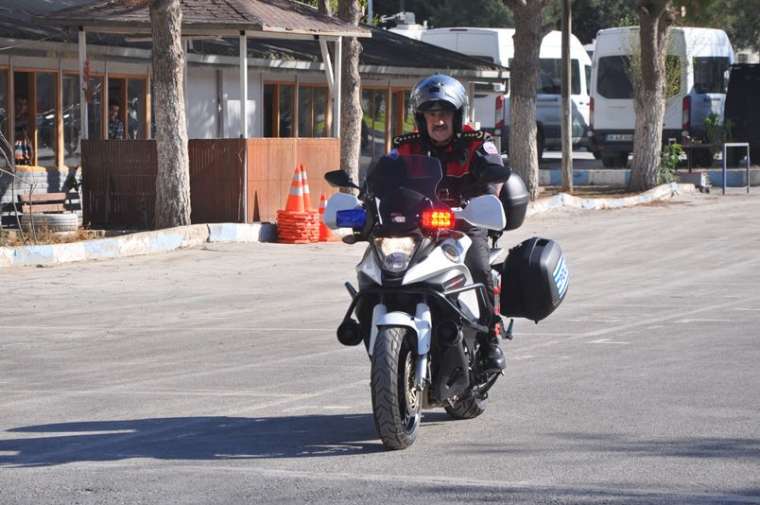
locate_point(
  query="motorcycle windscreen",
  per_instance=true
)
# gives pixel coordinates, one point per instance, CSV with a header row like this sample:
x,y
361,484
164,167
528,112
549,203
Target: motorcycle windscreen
x,y
403,186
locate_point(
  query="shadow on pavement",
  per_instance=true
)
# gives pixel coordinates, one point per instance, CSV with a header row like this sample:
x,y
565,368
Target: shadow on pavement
x,y
191,438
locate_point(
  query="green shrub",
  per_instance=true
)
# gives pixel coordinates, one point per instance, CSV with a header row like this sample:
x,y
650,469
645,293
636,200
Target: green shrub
x,y
671,155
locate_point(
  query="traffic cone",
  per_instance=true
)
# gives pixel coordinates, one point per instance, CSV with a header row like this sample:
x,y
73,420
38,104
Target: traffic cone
x,y
325,234
306,192
295,201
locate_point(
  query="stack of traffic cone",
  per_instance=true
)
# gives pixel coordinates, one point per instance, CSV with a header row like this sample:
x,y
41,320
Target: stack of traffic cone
x,y
297,223
325,234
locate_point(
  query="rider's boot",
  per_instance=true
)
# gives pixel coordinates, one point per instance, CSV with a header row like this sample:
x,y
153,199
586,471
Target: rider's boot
x,y
492,356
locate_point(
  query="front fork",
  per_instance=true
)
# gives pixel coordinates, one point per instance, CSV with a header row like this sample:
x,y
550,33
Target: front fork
x,y
421,323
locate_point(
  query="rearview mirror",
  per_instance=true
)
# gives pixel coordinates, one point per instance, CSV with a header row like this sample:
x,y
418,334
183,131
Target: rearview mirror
x,y
485,211
340,179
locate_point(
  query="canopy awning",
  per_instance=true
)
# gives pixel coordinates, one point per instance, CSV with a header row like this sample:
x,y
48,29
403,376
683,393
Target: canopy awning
x,y
210,18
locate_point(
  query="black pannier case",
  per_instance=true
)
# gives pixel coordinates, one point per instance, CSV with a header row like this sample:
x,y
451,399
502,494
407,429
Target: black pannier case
x,y
534,279
514,198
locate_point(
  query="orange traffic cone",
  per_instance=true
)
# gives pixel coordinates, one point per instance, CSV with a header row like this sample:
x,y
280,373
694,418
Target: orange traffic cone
x,y
306,192
295,201
325,234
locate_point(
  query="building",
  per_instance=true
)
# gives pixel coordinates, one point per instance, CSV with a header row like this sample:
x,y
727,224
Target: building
x,y
287,77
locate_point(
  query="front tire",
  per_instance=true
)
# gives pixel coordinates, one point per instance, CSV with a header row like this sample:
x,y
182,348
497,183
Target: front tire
x,y
395,402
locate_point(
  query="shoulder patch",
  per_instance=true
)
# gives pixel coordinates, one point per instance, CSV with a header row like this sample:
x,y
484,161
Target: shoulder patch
x,y
476,135
406,138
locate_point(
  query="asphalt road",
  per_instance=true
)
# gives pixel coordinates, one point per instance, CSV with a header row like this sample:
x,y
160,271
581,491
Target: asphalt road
x,y
212,376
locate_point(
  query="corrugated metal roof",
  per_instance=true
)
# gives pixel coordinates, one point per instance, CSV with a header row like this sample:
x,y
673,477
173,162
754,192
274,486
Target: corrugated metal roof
x,y
385,49
212,15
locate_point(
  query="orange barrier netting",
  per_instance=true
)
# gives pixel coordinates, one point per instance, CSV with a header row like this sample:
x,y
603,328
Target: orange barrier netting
x,y
297,223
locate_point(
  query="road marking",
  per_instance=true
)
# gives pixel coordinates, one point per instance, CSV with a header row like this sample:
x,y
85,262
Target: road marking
x,y
638,324
111,329
455,481
607,341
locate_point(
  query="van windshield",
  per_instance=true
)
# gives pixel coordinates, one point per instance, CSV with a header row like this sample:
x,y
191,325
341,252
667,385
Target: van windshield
x,y
709,74
613,77
550,77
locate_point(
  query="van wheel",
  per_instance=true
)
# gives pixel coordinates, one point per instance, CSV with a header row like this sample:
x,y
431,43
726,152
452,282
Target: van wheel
x,y
615,160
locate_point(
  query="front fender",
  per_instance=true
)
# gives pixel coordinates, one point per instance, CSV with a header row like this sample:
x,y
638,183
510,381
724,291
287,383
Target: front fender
x,y
421,324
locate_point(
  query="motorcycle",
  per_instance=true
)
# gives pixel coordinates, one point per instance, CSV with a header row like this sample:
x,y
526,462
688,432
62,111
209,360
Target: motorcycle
x,y
417,305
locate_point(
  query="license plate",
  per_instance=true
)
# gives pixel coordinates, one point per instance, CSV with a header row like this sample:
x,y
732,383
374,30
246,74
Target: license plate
x,y
619,137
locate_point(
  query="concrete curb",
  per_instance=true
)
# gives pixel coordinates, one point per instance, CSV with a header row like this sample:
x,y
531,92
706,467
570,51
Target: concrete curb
x,y
619,177
171,239
135,244
566,200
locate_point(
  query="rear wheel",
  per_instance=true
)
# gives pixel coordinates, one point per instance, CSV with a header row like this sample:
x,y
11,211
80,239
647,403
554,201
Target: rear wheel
x,y
395,401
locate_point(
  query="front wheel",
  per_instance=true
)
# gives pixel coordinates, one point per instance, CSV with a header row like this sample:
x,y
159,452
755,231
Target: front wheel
x,y
395,401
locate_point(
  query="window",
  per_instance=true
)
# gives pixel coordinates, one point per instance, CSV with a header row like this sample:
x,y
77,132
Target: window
x,y
403,118
285,116
312,111
136,111
279,109
373,124
588,79
550,77
613,77
280,116
4,107
45,119
71,113
95,108
709,74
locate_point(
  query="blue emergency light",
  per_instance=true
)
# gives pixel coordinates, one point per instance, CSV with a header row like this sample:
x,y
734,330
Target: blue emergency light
x,y
352,218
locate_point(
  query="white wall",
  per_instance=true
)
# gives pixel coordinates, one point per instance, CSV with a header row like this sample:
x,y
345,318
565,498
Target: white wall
x,y
231,103
202,109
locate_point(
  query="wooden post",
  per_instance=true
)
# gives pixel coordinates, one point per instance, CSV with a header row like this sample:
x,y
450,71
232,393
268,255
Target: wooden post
x,y
83,84
243,85
567,120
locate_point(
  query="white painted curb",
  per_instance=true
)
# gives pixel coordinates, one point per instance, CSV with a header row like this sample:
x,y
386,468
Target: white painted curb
x,y
159,241
566,200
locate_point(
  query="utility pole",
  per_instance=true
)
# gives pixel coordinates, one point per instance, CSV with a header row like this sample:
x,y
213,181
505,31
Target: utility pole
x,y
567,119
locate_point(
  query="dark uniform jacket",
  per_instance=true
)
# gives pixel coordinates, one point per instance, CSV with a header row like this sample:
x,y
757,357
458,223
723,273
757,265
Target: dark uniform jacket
x,y
463,160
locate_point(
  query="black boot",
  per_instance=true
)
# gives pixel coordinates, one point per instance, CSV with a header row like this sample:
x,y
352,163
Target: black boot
x,y
492,356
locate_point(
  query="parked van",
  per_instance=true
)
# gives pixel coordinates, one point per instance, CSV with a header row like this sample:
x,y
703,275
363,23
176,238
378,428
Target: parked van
x,y
701,56
492,107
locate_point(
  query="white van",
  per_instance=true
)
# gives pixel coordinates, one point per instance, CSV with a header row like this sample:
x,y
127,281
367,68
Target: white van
x,y
703,56
492,108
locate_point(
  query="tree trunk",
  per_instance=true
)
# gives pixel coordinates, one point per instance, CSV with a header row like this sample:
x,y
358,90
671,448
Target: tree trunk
x,y
351,106
529,31
323,6
655,19
173,180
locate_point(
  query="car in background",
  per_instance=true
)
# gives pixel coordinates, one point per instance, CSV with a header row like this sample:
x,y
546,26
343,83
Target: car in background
x,y
699,59
492,105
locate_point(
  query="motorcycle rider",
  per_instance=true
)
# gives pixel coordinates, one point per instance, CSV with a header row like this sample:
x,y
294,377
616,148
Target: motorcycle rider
x,y
439,103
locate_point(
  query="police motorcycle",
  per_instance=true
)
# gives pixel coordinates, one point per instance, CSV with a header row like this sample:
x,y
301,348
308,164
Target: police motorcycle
x,y
417,305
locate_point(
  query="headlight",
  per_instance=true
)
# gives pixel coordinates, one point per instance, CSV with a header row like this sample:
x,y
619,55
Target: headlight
x,y
395,252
